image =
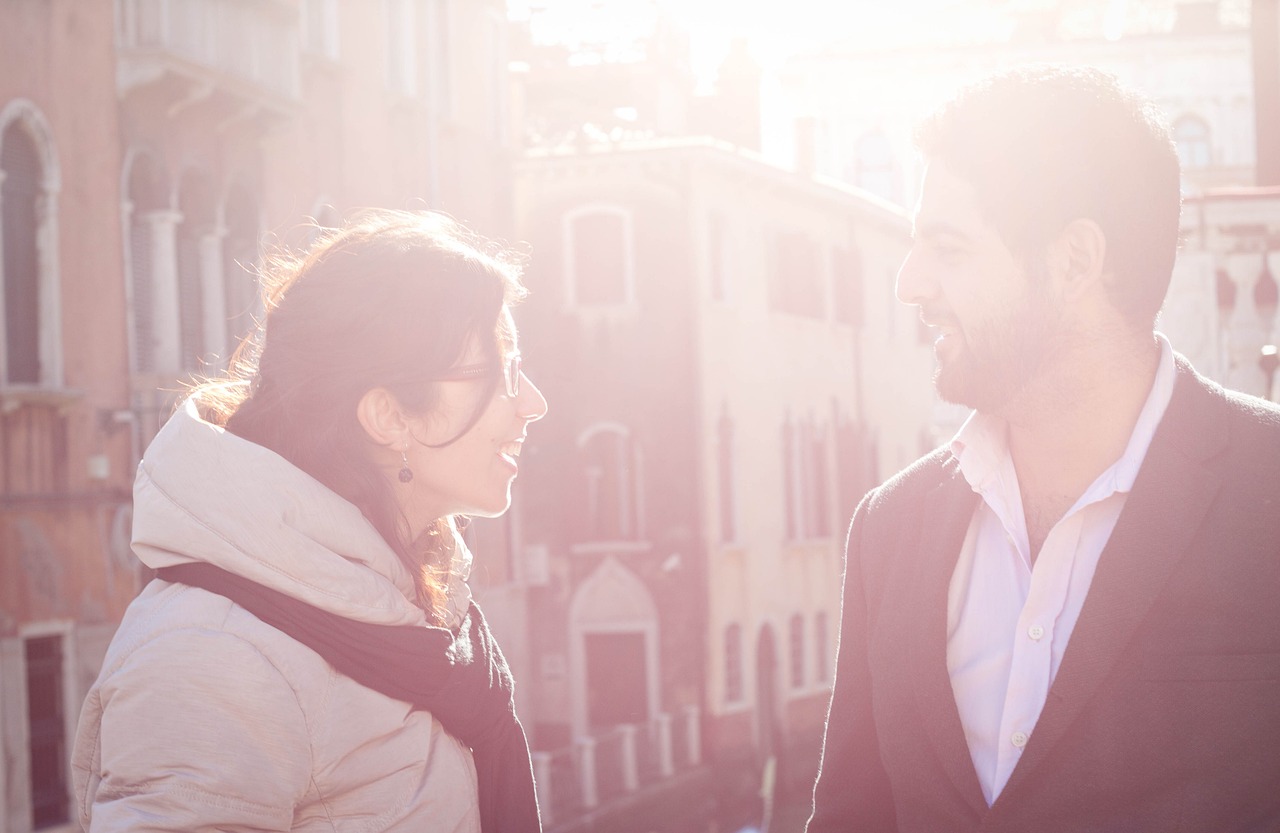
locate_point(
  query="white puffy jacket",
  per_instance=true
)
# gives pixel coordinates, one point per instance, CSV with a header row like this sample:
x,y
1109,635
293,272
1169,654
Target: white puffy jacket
x,y
203,718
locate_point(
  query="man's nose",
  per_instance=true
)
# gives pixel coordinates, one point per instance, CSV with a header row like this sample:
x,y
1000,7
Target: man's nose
x,y
913,285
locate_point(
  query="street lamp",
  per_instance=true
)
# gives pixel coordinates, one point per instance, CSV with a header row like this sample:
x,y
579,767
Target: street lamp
x,y
1267,360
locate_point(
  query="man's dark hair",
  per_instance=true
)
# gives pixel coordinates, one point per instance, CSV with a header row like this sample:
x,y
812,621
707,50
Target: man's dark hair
x,y
1045,145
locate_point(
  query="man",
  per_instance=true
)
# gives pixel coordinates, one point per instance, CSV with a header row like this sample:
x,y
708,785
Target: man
x,y
1067,618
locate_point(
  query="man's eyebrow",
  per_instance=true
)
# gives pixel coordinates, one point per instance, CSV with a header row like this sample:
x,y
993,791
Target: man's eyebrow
x,y
938,228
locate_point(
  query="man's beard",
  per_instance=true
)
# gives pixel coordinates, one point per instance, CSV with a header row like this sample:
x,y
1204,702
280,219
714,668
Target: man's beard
x,y
1001,356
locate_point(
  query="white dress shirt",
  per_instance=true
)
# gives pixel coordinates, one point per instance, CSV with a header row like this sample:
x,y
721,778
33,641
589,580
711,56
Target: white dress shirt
x,y
1008,624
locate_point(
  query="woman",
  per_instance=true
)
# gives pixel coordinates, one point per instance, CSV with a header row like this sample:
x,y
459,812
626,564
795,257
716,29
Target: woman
x,y
308,657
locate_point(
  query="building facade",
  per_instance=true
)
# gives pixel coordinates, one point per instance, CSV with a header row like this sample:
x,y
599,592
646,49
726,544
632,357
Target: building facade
x,y
150,151
728,372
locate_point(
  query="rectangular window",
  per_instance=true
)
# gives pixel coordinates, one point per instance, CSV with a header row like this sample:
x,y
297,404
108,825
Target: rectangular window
x,y
611,488
46,725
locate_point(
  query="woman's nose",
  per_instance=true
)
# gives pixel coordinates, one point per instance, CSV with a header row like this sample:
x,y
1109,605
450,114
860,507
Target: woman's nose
x,y
530,404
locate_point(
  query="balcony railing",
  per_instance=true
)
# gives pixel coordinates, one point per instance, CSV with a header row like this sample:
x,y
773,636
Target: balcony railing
x,y
615,763
33,442
253,42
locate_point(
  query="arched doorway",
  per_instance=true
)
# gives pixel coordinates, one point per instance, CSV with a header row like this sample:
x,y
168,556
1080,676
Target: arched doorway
x,y
615,676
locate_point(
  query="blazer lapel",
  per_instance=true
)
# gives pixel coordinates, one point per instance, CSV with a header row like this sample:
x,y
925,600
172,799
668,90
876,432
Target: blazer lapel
x,y
948,509
1170,497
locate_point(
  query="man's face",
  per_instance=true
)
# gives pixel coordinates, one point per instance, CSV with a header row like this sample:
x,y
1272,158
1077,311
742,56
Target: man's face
x,y
997,320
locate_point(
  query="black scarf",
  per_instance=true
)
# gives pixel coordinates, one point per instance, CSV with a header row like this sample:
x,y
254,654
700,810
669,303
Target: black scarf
x,y
462,680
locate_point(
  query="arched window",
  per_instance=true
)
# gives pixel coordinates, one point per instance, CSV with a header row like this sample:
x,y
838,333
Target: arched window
x,y
30,350
815,491
874,166
733,688
795,633
599,256
21,192
1191,135
611,482
806,481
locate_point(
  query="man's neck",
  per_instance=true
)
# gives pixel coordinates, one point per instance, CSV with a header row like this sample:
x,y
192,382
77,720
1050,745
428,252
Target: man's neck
x,y
1074,423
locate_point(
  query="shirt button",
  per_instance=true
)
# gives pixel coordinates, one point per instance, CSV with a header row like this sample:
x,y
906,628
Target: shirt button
x,y
1035,632
1019,739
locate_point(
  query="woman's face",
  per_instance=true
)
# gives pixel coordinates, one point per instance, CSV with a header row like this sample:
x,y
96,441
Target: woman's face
x,y
473,474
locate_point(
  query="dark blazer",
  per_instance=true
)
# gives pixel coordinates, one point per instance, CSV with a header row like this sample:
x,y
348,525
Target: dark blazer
x,y
1165,712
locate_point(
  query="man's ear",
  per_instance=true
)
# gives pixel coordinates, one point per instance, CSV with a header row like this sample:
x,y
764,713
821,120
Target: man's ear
x,y
1078,257
382,418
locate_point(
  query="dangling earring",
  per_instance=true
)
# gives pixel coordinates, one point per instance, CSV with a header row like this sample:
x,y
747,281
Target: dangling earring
x,y
406,473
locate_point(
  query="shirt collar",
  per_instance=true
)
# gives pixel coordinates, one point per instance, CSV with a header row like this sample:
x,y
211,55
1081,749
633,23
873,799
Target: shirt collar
x,y
1144,430
981,445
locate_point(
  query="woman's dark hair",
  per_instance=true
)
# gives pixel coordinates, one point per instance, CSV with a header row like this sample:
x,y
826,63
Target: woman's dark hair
x,y
393,299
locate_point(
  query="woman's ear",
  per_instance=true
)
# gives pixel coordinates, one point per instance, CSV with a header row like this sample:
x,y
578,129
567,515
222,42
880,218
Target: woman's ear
x,y
382,418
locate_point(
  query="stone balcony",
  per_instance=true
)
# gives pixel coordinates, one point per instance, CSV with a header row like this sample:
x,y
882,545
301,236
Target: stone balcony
x,y
240,57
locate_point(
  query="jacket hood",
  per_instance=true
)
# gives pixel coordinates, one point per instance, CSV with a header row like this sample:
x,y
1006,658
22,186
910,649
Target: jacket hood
x,y
205,494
